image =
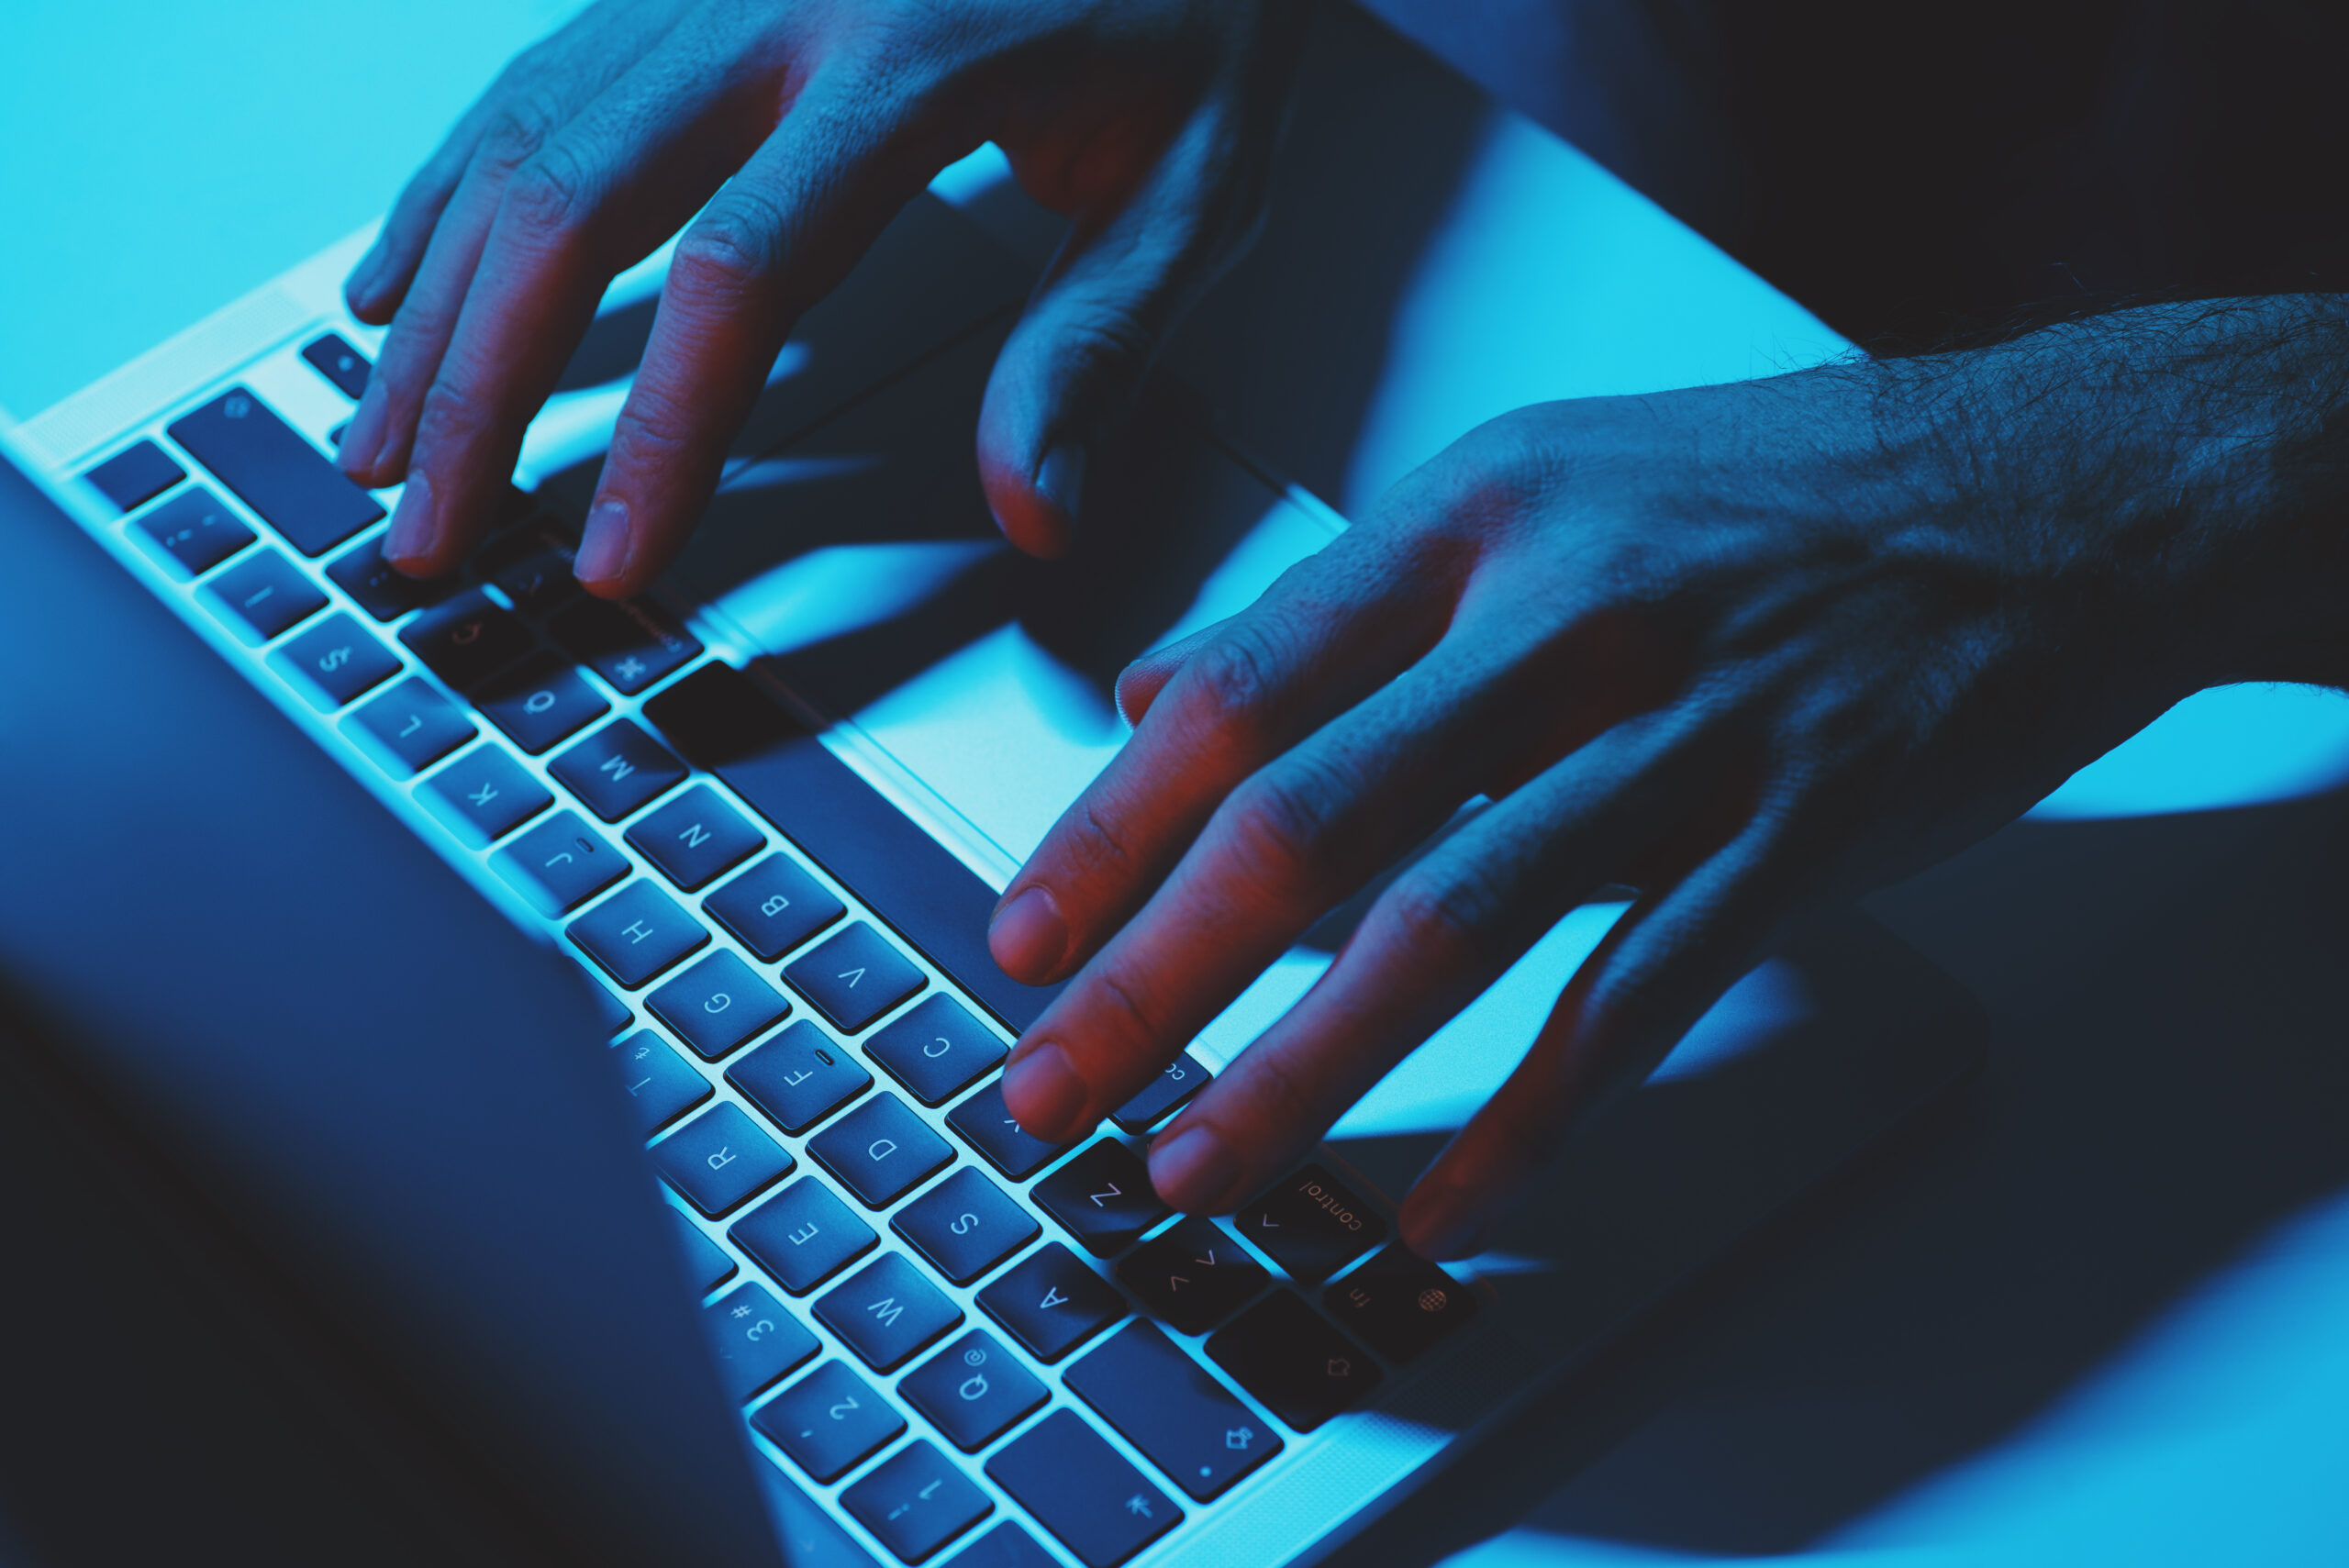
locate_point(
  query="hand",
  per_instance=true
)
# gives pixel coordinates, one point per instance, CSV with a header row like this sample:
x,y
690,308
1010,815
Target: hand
x,y
1150,122
1747,649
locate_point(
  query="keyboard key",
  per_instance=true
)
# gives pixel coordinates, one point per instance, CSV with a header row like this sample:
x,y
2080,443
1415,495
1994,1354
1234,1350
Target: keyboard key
x,y
803,1236
881,1150
774,906
617,769
974,1390
275,472
1098,1506
383,591
1051,1303
936,1050
260,596
755,1338
338,362
810,1536
483,796
720,1160
637,932
1285,1354
1399,1303
467,640
916,1501
1310,1224
532,566
190,533
1006,1546
630,645
334,661
773,764
798,1078
718,1005
135,476
540,702
707,1265
696,838
1103,1197
408,728
828,1421
1173,1410
886,1312
986,1126
660,1084
1184,1076
559,864
1192,1275
965,1225
855,978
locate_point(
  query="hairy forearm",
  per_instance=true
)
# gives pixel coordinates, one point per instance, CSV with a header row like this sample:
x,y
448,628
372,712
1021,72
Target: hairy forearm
x,y
2184,468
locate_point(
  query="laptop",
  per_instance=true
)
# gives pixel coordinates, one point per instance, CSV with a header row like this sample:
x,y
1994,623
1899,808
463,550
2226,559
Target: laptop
x,y
588,1007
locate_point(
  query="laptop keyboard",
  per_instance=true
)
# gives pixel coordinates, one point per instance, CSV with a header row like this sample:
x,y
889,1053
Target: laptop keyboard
x,y
939,1328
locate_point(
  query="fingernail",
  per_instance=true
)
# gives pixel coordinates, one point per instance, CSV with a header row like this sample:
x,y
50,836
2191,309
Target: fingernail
x,y
1194,1170
603,550
1451,1225
415,529
1042,1091
362,439
1027,936
1060,480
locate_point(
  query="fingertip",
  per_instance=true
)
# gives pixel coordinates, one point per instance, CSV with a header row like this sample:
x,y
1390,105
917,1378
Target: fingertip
x,y
1029,936
1043,1094
1195,1170
1442,1222
605,549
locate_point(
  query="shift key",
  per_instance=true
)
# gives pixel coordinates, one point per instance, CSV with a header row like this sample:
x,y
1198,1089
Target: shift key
x,y
275,472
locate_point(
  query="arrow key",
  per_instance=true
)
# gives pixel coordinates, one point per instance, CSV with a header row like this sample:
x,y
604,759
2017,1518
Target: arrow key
x,y
1103,1197
855,978
1192,1276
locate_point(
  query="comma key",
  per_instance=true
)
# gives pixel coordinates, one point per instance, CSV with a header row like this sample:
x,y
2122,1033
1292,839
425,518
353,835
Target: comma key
x,y
1310,1224
1192,1274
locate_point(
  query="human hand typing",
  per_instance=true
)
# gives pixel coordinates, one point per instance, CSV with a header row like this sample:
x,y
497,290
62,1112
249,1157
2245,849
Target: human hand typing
x,y
1149,122
1747,649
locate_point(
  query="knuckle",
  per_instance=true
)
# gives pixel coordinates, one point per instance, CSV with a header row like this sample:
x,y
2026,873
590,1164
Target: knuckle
x,y
1098,844
1231,678
655,418
1285,827
730,248
451,411
551,193
1440,923
527,118
1132,1015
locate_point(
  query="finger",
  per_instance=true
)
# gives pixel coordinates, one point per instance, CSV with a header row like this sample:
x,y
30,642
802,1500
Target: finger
x,y
1434,940
1066,379
584,52
602,193
534,102
1140,683
854,149
1327,632
1297,837
1660,968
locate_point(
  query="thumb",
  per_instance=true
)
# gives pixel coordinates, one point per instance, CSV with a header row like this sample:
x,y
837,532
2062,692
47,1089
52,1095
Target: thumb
x,y
1067,377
